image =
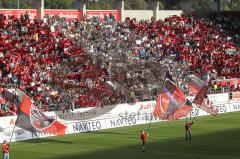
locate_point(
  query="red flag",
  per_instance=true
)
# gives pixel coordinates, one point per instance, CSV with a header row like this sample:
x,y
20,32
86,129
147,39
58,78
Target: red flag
x,y
32,119
208,106
183,111
202,93
180,113
157,111
202,101
55,128
171,100
25,105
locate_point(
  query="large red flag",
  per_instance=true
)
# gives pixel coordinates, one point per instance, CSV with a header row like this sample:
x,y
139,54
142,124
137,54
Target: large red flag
x,y
208,106
32,119
170,101
183,111
202,101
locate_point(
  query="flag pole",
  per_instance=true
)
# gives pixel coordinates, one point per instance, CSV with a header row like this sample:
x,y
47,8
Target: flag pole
x,y
13,129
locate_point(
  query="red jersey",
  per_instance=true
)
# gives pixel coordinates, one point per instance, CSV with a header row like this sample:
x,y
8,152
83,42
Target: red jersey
x,y
144,136
188,125
5,148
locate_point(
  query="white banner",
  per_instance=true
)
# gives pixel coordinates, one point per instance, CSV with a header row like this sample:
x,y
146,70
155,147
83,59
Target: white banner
x,y
219,98
99,118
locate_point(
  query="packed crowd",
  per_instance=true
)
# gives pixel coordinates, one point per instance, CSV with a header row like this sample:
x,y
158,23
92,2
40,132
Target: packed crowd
x,y
181,43
62,63
230,24
43,60
7,107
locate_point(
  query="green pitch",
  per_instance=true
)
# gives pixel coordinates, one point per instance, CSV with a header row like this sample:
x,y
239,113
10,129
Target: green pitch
x,y
213,138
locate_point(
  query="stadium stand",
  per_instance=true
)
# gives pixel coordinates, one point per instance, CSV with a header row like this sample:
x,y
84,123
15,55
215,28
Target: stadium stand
x,y
64,63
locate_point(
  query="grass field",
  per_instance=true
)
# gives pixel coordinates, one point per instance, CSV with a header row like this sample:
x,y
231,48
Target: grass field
x,y
213,138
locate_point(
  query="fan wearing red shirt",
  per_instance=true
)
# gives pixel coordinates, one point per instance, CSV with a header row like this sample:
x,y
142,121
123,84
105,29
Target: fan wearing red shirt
x,y
5,149
188,130
144,139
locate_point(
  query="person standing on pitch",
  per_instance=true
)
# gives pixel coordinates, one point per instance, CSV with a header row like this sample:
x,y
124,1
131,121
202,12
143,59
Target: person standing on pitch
x,y
188,130
144,139
5,149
